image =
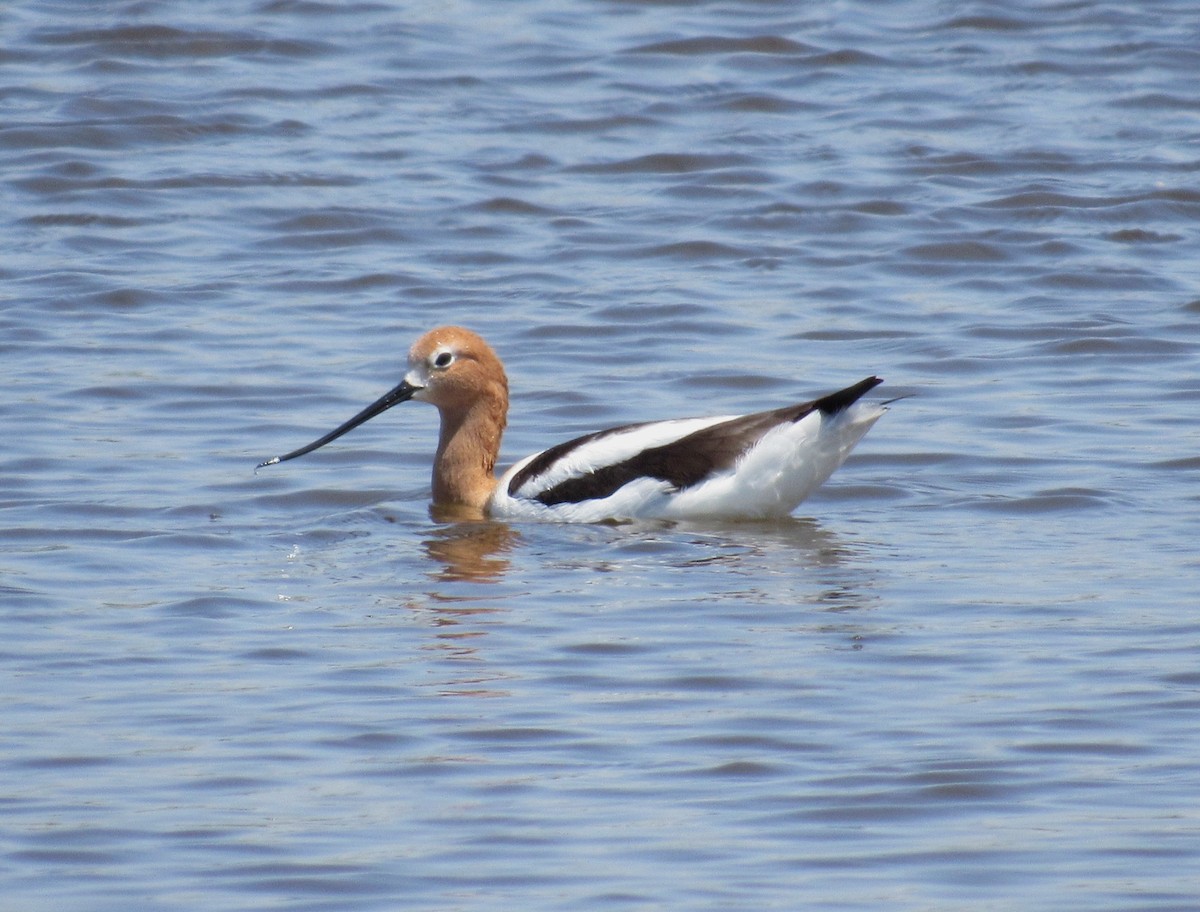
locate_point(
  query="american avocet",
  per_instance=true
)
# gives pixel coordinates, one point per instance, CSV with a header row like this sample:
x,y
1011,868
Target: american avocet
x,y
749,466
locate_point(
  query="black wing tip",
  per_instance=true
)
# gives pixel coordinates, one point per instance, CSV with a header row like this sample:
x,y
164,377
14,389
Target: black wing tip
x,y
843,399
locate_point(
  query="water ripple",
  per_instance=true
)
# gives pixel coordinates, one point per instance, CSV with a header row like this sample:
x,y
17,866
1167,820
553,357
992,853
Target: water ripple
x,y
226,224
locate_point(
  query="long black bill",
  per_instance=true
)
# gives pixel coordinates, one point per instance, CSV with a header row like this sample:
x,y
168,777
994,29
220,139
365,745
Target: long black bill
x,y
401,393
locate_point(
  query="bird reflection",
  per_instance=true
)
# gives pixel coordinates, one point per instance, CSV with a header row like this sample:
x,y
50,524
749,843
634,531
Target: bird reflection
x,y
780,568
472,552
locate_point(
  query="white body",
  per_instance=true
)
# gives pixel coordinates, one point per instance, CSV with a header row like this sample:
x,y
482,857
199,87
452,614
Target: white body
x,y
786,465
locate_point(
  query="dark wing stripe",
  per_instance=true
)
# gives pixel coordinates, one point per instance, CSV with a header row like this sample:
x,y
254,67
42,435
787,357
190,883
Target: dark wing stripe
x,y
843,399
681,464
684,462
547,458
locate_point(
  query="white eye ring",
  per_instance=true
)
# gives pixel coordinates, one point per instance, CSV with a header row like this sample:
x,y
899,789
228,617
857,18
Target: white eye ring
x,y
442,360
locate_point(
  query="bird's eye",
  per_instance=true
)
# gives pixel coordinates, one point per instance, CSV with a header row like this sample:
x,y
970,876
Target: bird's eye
x,y
443,359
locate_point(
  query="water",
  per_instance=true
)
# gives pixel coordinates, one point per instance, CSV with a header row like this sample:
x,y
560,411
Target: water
x,y
964,677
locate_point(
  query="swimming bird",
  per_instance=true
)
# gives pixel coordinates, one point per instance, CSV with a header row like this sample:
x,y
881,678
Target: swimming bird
x,y
755,466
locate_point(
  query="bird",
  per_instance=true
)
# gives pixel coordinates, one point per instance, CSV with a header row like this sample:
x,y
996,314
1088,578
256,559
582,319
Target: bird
x,y
729,467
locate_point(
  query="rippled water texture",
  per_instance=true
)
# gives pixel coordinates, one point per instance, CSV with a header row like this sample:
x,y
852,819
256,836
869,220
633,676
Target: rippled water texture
x,y
964,677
